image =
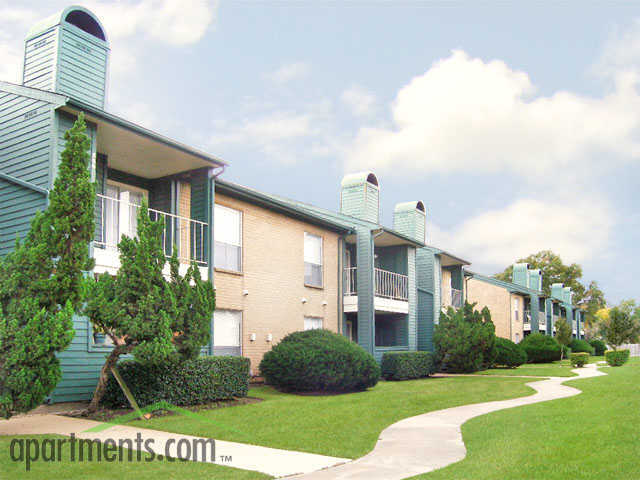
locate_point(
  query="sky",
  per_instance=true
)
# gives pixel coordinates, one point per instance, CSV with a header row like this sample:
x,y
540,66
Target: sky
x,y
517,124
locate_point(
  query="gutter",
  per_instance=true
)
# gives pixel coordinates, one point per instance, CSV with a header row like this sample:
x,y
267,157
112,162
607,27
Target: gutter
x,y
212,174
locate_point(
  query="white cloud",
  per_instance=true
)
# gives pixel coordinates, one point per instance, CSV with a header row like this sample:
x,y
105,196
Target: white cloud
x,y
360,101
464,114
289,72
495,238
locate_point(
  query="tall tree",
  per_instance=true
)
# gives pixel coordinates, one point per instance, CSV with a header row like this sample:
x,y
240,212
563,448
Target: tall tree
x,y
555,271
144,314
41,282
564,334
622,325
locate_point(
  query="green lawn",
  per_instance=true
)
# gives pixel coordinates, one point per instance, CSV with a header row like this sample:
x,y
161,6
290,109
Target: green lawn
x,y
593,435
555,369
341,425
10,470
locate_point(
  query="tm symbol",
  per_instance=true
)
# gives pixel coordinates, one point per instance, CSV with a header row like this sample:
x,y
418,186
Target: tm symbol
x,y
225,458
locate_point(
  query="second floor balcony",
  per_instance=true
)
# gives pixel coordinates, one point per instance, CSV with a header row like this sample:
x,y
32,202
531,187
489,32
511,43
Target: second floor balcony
x,y
542,320
391,290
116,217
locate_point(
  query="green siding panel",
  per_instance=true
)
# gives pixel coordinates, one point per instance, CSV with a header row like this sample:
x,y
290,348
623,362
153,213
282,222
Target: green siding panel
x,y
412,317
364,280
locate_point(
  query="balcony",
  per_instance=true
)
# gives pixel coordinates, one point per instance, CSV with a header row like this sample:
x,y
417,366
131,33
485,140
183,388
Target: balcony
x,y
117,216
391,291
542,321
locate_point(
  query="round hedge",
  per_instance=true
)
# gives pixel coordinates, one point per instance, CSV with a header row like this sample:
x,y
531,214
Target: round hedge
x,y
581,346
541,348
599,346
509,354
319,361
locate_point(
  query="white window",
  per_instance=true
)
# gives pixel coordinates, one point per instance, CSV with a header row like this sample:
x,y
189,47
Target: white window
x,y
515,309
226,332
312,260
312,323
120,211
227,230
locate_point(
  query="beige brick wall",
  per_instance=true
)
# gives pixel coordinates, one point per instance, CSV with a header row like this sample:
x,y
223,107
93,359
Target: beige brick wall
x,y
446,288
184,210
502,305
273,275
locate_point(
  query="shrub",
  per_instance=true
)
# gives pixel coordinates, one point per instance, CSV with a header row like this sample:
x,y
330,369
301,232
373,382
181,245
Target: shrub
x,y
319,360
541,348
616,358
579,359
192,382
407,365
578,345
465,340
566,351
599,346
509,354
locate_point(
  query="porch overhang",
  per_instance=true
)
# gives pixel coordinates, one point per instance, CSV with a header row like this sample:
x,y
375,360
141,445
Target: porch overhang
x,y
139,151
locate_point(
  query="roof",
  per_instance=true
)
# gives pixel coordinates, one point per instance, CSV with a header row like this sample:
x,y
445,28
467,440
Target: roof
x,y
452,258
410,207
512,287
59,17
274,203
359,178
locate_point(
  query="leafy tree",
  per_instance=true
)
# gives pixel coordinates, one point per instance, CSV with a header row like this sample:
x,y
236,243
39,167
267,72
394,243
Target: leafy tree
x,y
555,271
465,339
144,314
564,334
621,326
41,282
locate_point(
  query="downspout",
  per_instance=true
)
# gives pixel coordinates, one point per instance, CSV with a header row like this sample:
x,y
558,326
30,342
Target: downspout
x,y
212,174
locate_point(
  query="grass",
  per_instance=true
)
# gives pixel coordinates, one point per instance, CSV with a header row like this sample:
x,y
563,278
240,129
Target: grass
x,y
95,470
555,369
592,436
345,426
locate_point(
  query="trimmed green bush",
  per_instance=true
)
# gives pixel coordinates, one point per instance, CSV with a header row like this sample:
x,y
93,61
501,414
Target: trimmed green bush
x,y
616,358
578,345
579,359
509,354
407,365
192,382
319,361
599,346
541,348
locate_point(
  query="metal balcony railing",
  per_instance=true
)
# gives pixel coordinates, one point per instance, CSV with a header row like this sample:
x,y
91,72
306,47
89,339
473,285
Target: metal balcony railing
x,y
117,217
387,284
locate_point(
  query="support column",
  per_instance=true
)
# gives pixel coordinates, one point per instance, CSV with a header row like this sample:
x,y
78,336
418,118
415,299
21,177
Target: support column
x,y
365,289
210,240
535,309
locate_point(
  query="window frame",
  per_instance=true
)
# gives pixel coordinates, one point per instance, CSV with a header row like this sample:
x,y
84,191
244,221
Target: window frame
x,y
313,318
240,237
321,264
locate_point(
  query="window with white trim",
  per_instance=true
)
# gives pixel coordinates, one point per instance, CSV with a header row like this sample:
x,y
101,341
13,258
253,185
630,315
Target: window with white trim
x,y
227,231
515,309
227,327
312,260
312,323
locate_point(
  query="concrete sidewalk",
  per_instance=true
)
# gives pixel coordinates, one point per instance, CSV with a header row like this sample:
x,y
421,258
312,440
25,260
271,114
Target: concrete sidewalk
x,y
433,440
272,461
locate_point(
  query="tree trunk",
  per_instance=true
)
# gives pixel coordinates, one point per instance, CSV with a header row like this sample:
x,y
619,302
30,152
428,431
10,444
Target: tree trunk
x,y
110,362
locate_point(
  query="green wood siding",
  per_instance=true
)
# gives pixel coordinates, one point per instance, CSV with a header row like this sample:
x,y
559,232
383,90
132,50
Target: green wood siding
x,y
410,223
412,317
82,66
25,151
199,207
360,201
101,182
426,288
364,280
40,58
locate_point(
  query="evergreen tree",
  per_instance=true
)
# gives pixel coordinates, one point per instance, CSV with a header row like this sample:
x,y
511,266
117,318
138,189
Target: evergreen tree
x,y
144,314
41,282
621,326
564,334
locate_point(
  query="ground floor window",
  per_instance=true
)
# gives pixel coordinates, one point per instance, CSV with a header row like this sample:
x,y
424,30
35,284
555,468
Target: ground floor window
x,y
312,323
391,330
227,330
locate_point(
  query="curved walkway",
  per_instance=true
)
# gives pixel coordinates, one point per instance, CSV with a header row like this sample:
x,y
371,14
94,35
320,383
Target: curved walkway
x,y
433,440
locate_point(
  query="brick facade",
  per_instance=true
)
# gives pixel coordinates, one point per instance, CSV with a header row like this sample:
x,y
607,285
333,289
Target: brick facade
x,y
502,305
273,279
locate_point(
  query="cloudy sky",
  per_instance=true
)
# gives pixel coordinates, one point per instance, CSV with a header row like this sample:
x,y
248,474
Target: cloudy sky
x,y
518,126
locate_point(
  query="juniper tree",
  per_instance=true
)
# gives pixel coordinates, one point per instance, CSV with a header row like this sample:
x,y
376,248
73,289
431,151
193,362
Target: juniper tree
x,y
41,282
145,315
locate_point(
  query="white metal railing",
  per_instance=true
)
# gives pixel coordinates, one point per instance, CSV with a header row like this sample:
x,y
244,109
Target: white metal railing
x,y
119,217
456,298
391,285
387,284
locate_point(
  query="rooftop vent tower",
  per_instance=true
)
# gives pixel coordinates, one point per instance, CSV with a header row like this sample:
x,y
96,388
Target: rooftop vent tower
x,y
360,196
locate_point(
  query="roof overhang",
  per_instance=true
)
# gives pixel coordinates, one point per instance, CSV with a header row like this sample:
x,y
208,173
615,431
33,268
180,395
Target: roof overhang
x,y
384,237
139,151
448,260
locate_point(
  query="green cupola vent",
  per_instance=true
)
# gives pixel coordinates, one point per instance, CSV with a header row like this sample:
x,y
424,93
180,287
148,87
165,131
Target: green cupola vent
x,y
360,196
535,279
409,219
520,275
68,53
557,291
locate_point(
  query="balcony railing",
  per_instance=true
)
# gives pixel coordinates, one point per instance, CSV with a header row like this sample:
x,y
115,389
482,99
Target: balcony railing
x,y
115,217
456,298
387,284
